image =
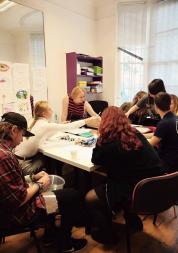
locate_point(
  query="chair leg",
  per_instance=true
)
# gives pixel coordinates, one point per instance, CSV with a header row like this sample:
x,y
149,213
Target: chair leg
x,y
128,237
33,234
175,214
154,219
2,240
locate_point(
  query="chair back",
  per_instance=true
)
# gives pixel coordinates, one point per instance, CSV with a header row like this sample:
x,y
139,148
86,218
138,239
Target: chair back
x,y
155,194
98,105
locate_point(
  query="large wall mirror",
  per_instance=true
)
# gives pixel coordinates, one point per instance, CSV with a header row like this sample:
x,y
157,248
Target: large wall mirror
x,y
22,57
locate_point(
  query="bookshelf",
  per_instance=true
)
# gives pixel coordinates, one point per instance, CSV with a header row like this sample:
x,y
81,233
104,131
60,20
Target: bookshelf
x,y
85,71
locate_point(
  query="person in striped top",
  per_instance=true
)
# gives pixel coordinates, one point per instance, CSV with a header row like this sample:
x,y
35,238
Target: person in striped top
x,y
75,107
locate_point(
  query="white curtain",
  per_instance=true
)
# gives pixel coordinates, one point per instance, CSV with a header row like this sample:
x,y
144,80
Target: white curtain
x,y
149,31
163,50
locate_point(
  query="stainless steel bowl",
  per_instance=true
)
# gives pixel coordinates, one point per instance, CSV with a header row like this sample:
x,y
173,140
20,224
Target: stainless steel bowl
x,y
57,183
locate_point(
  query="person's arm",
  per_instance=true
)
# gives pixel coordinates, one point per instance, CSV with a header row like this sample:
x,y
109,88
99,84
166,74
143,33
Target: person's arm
x,y
132,110
88,108
65,104
13,188
140,104
160,133
31,191
154,140
98,156
55,127
30,146
42,183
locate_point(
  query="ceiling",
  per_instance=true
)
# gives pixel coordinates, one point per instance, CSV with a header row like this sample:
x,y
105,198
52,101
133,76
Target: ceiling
x,y
91,2
21,18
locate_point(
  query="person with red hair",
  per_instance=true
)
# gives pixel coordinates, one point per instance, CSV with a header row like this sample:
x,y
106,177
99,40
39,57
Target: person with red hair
x,y
127,157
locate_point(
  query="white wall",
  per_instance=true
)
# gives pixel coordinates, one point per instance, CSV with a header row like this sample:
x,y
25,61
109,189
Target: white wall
x,y
68,28
106,38
21,47
6,46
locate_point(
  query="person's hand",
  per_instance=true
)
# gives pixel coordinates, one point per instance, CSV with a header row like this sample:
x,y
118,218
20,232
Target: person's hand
x,y
39,175
66,122
45,181
94,120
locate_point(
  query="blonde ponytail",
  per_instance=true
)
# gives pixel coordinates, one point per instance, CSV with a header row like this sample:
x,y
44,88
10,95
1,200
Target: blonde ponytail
x,y
39,108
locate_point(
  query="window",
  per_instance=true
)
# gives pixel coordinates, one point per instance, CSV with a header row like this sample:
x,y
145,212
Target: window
x,y
148,32
38,70
37,49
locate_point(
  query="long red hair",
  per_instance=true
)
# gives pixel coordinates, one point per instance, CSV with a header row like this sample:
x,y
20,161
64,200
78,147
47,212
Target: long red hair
x,y
116,126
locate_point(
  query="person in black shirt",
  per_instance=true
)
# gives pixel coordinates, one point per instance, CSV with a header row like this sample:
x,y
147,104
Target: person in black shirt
x,y
154,87
128,157
166,134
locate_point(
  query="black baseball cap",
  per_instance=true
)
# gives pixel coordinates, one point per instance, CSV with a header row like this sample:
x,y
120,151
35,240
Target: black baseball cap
x,y
18,120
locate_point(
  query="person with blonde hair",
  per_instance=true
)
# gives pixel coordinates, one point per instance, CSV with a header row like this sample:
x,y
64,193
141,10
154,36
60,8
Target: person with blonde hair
x,y
27,151
75,107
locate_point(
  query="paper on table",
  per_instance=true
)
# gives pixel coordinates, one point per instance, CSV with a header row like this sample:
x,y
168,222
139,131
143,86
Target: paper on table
x,y
143,130
78,131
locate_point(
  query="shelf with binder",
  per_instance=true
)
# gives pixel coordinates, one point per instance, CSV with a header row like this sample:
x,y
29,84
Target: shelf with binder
x,y
82,68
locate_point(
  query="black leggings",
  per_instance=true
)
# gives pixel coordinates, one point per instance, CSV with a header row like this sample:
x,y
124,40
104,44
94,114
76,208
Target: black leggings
x,y
71,208
99,215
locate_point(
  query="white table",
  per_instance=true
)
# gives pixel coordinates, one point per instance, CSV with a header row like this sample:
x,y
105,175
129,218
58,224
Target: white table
x,y
61,150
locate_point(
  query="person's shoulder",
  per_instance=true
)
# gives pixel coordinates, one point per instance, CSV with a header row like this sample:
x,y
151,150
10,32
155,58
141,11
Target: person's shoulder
x,y
112,145
86,103
5,155
161,124
167,119
39,123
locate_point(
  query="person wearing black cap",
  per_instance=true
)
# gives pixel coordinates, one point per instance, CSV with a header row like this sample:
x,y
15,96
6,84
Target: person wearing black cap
x,y
19,201
154,87
18,120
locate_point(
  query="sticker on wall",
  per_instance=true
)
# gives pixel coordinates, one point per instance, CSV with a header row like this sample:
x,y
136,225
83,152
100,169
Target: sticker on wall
x,y
23,104
22,94
6,85
4,67
23,107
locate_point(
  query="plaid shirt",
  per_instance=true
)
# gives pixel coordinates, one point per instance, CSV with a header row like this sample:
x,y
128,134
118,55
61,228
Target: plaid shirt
x,y
13,191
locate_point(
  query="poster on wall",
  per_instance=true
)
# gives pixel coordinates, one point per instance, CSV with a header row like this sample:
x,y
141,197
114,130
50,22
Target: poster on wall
x,y
21,83
6,86
39,85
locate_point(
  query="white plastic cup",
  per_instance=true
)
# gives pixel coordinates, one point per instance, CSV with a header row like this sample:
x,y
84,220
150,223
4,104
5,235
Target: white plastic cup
x,y
73,153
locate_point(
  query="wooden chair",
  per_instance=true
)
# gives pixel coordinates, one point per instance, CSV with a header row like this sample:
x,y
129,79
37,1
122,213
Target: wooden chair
x,y
152,196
